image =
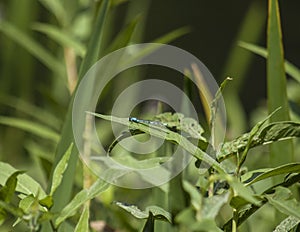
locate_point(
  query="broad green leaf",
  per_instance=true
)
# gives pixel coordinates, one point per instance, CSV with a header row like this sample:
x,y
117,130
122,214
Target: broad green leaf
x,y
31,127
60,169
61,37
164,133
273,132
29,205
284,169
287,224
63,192
79,199
243,192
8,190
283,201
83,223
212,205
33,48
26,203
157,212
25,185
290,69
276,84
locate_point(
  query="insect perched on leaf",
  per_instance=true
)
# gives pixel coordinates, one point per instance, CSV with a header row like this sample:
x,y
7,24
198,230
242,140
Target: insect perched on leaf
x,y
176,122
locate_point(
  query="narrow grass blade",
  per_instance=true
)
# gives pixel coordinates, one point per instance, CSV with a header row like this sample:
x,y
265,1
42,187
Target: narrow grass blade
x,y
57,9
276,84
31,127
284,169
33,48
60,36
95,42
290,69
124,37
35,112
63,192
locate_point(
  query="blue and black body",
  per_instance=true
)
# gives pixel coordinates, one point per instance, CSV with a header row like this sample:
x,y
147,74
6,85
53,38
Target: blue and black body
x,y
149,122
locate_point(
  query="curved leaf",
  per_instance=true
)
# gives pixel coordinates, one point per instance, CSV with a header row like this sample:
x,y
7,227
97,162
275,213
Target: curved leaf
x,y
273,132
165,133
31,127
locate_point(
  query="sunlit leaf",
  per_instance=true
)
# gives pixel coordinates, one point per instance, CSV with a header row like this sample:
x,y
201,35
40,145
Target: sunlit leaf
x,y
25,183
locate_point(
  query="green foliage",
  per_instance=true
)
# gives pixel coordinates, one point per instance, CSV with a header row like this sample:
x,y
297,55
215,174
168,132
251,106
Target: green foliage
x,y
65,196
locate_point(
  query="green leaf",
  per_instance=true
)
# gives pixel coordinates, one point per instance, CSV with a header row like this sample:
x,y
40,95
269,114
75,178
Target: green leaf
x,y
157,212
46,202
56,8
79,199
205,225
276,84
290,69
273,132
25,183
35,112
287,224
124,36
31,127
63,192
164,133
243,192
8,190
94,46
60,169
83,223
212,205
283,201
33,48
61,37
284,169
